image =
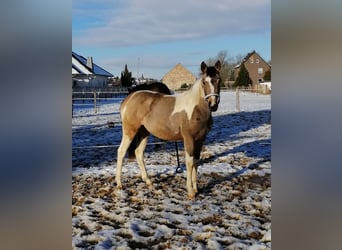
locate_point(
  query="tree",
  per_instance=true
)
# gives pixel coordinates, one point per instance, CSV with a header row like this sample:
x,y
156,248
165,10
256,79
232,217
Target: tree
x,y
225,66
243,78
267,76
239,58
232,75
126,77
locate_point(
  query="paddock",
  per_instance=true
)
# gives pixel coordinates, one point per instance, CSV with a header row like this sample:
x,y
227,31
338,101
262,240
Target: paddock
x,y
233,208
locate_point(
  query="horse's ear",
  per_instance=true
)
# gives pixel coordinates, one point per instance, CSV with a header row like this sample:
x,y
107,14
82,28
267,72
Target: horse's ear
x,y
218,65
203,67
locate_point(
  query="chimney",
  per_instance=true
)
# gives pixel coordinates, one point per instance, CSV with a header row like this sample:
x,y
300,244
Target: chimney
x,y
90,62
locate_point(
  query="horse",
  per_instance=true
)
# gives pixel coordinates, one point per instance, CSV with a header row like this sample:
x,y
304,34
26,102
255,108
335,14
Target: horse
x,y
154,86
184,117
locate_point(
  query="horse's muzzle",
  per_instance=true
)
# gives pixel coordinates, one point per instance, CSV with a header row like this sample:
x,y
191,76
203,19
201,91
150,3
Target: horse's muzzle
x,y
213,108
213,101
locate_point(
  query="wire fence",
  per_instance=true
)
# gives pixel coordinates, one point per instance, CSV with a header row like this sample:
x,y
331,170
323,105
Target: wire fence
x,y
96,98
93,97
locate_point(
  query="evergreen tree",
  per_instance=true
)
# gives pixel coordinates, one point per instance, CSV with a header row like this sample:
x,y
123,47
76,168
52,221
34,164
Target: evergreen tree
x,y
243,79
126,77
267,76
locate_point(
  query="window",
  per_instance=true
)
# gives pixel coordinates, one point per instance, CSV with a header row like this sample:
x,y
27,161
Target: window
x,y
260,71
251,60
257,60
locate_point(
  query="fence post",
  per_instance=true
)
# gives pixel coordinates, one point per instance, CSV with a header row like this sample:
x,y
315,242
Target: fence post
x,y
95,110
237,99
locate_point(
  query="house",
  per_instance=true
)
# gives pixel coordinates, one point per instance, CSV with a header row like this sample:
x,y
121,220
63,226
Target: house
x,y
256,67
178,76
85,73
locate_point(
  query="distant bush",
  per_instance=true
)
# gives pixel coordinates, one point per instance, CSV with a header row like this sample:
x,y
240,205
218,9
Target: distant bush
x,y
184,86
267,76
243,79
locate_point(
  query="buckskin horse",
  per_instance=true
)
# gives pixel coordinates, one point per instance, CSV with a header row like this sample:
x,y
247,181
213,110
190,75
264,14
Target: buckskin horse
x,y
186,116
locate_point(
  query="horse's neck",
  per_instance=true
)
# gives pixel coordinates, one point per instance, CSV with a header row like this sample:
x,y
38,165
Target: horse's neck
x,y
189,99
196,93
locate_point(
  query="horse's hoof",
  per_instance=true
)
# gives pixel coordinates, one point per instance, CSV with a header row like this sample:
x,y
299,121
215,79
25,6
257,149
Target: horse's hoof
x,y
149,183
191,196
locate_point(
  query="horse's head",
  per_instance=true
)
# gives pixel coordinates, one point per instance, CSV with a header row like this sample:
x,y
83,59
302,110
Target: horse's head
x,y
211,82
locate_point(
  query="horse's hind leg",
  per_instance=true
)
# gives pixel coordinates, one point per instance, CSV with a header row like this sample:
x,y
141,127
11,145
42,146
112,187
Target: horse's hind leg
x,y
142,137
125,142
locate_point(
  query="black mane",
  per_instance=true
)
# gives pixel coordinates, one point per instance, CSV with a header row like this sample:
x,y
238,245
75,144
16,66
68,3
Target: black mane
x,y
154,86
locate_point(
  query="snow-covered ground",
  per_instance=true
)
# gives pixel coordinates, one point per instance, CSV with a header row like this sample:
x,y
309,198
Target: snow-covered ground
x,y
231,211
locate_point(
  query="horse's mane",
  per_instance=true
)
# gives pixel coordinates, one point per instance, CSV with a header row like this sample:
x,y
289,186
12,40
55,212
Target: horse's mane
x,y
154,86
195,90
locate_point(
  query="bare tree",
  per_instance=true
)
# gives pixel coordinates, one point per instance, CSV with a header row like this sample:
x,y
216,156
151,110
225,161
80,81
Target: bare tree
x,y
228,63
239,58
222,55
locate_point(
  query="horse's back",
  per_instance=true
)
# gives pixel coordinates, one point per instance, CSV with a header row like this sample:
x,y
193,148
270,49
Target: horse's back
x,y
142,96
142,102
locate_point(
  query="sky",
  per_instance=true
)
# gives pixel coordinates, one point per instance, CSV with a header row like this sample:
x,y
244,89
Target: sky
x,y
152,36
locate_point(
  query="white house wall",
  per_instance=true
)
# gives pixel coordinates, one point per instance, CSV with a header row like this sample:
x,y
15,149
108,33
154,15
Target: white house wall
x,y
90,81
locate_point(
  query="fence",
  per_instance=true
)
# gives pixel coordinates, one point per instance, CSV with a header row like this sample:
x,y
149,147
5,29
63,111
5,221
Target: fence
x,y
97,128
93,97
251,99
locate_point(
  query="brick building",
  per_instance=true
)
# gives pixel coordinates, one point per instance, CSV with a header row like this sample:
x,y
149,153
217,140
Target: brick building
x,y
256,67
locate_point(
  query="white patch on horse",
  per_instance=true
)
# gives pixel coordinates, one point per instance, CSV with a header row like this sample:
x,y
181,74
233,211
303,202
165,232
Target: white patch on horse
x,y
212,88
187,103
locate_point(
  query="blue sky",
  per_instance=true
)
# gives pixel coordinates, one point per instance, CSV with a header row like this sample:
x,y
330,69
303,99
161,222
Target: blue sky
x,y
152,36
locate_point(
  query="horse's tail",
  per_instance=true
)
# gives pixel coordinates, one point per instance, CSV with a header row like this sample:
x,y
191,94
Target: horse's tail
x,y
132,147
139,136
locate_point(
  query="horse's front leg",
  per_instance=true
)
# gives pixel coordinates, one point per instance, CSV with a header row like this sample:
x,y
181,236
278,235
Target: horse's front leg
x,y
197,154
189,161
194,176
190,168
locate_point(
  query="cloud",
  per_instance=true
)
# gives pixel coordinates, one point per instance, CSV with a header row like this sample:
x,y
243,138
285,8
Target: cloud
x,y
139,22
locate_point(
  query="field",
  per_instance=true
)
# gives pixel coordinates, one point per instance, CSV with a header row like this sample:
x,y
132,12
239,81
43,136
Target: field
x,y
231,211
